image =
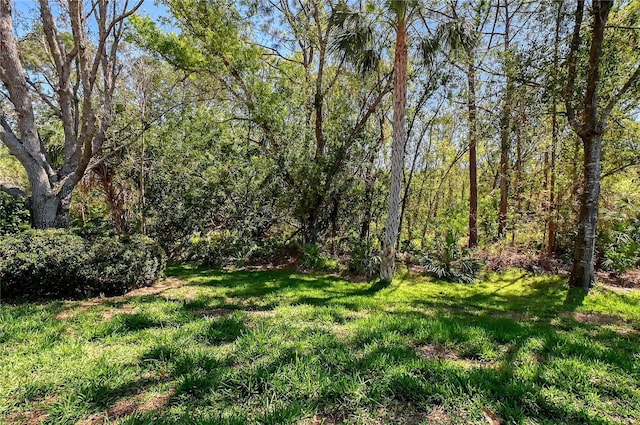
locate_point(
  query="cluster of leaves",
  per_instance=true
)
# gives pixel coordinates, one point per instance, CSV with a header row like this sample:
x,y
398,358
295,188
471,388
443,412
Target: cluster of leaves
x,y
364,258
619,245
59,264
449,261
216,248
13,214
312,258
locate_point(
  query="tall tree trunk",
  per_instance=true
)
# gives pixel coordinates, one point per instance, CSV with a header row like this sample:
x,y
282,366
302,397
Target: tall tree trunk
x,y
551,208
388,263
518,182
583,272
590,122
473,163
505,132
551,226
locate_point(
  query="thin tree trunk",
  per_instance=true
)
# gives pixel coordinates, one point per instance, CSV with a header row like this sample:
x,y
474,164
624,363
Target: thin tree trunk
x,y
518,182
388,263
551,208
473,163
505,133
551,227
369,181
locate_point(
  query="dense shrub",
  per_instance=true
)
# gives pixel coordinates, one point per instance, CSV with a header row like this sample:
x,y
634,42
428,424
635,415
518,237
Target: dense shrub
x,y
59,264
120,264
13,214
215,249
44,263
619,244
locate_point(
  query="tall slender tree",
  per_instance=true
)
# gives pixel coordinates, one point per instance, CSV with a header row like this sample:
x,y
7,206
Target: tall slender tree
x,y
588,119
505,125
401,10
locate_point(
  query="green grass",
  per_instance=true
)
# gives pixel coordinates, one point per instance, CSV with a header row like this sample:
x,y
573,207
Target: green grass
x,y
276,347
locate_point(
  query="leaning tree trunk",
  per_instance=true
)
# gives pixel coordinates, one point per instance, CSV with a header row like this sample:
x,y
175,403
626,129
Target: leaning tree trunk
x,y
388,263
583,272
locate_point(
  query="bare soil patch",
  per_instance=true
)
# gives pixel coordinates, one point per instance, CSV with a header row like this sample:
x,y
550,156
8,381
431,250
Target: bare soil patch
x,y
33,417
596,319
531,261
156,289
627,281
127,407
441,352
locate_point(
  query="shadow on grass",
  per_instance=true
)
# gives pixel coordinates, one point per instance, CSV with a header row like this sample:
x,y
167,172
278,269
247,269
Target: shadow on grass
x,y
574,299
509,352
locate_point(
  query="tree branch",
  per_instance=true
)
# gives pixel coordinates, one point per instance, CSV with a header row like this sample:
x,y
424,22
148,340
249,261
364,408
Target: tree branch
x,y
16,192
572,66
635,77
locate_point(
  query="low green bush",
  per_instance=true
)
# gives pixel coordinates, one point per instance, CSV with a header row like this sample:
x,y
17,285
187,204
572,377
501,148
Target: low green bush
x,y
364,258
43,264
449,261
312,259
59,264
120,264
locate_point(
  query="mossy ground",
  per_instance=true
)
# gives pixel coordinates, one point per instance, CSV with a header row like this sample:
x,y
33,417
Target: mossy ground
x,y
274,347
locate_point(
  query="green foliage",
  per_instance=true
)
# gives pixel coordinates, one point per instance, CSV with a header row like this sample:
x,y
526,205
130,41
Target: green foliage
x,y
364,258
44,263
312,258
619,244
59,264
13,214
122,263
448,261
216,248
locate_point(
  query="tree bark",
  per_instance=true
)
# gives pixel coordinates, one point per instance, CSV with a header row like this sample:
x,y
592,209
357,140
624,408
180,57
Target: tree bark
x,y
505,133
583,271
388,262
589,123
473,163
551,227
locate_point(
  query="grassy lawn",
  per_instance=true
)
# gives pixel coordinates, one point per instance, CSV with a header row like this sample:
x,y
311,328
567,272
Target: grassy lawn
x,y
276,347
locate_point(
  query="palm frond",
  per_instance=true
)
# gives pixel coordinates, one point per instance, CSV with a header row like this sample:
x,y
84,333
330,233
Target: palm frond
x,y
355,37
